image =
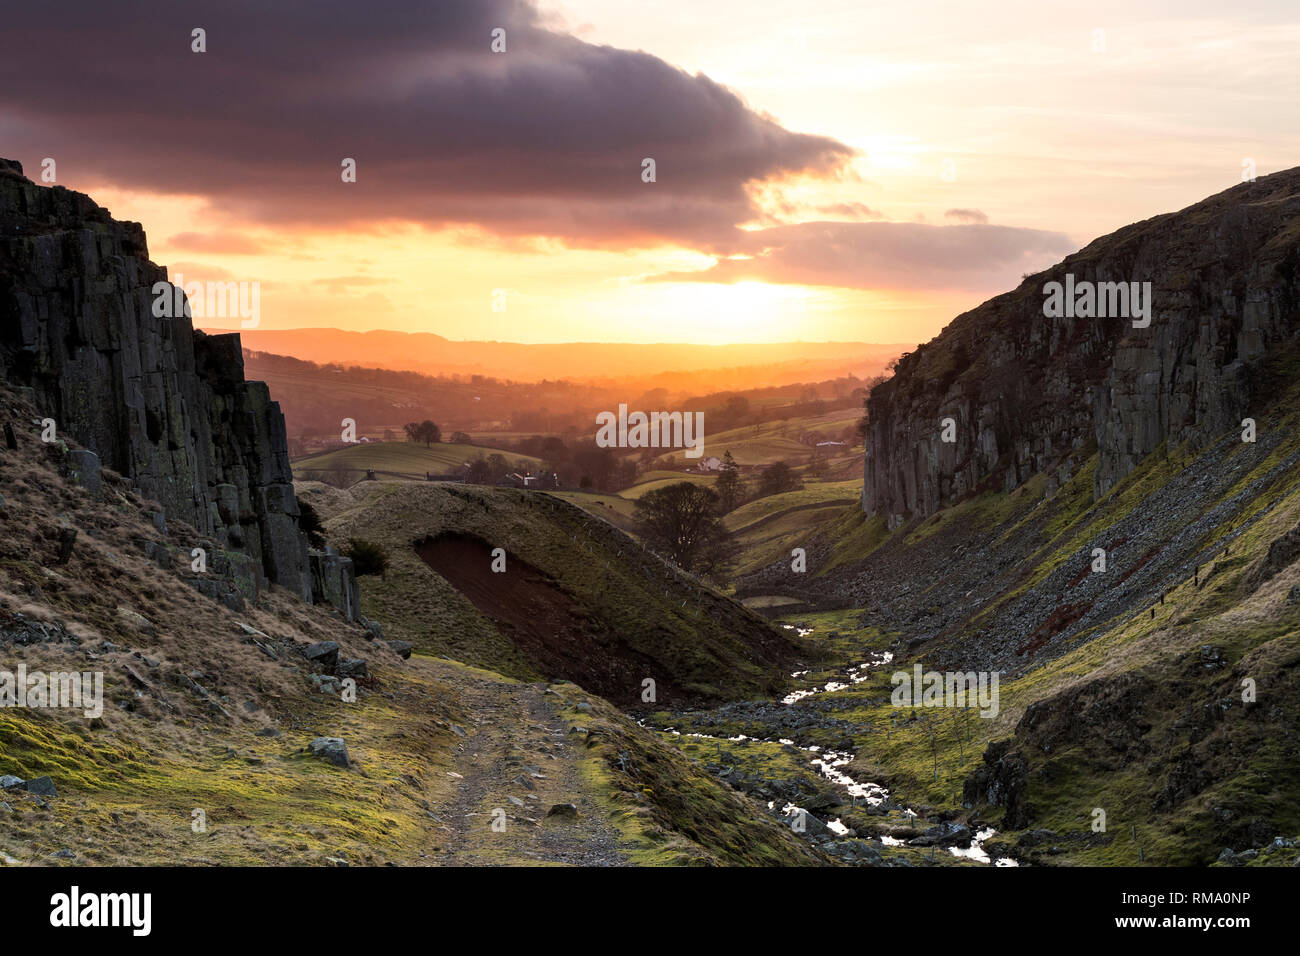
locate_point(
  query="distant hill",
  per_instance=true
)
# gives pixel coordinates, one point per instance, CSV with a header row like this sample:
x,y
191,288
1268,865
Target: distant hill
x,y
649,366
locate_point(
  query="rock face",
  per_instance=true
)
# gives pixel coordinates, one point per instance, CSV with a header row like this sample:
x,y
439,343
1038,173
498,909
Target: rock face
x,y
333,579
1030,394
151,397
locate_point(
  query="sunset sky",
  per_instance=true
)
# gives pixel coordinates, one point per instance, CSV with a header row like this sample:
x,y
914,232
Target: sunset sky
x,y
825,170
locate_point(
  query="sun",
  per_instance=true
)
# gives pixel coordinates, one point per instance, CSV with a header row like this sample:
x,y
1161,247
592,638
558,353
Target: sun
x,y
719,313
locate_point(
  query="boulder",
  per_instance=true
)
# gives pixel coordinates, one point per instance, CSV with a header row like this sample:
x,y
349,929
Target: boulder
x,y
83,468
137,622
334,582
219,590
353,668
325,653
330,749
41,786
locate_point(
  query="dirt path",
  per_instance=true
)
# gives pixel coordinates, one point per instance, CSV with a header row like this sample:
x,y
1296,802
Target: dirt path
x,y
518,748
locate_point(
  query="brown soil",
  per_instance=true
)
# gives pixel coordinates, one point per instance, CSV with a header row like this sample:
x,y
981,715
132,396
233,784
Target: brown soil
x,y
543,620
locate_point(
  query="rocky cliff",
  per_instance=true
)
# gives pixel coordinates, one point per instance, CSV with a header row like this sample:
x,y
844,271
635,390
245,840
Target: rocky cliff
x,y
157,401
1028,393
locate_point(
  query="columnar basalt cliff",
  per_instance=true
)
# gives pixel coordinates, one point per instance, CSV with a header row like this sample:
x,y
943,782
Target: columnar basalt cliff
x,y
1032,394
157,401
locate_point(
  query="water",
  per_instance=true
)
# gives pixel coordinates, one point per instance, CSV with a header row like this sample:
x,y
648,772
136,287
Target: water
x,y
830,763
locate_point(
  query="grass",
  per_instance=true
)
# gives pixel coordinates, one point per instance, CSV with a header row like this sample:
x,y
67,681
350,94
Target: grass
x,y
666,806
813,493
644,487
690,634
853,536
764,542
407,458
763,444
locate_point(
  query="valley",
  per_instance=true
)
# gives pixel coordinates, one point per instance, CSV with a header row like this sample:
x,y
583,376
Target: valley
x,y
409,653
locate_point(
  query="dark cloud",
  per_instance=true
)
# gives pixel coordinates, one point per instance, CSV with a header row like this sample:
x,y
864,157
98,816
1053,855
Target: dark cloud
x,y
888,255
544,139
967,216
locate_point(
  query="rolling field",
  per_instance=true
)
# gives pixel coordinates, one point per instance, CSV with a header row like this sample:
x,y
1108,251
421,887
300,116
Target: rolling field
x,y
772,441
813,494
617,510
637,490
769,540
403,458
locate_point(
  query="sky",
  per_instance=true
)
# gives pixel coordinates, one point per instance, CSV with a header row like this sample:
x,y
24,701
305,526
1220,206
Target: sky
x,y
827,170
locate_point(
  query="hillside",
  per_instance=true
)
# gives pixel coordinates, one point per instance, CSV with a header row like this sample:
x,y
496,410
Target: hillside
x,y
578,599
249,714
1036,395
762,444
402,459
658,365
203,753
1161,686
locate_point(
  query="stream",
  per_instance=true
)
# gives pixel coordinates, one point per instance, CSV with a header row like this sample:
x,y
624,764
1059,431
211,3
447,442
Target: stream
x,y
830,763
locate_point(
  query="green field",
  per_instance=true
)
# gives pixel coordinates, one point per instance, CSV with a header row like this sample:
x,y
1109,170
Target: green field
x,y
812,494
406,458
771,441
617,510
639,489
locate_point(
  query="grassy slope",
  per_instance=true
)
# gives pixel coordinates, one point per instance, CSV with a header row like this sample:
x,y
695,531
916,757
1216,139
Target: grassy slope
x,y
694,636
813,493
643,487
771,441
404,457
672,809
1131,720
130,780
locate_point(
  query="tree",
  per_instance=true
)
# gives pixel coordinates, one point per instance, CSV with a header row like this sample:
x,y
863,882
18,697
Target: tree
x,y
367,557
818,467
595,464
461,438
480,472
425,431
776,478
736,410
729,487
338,475
681,521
